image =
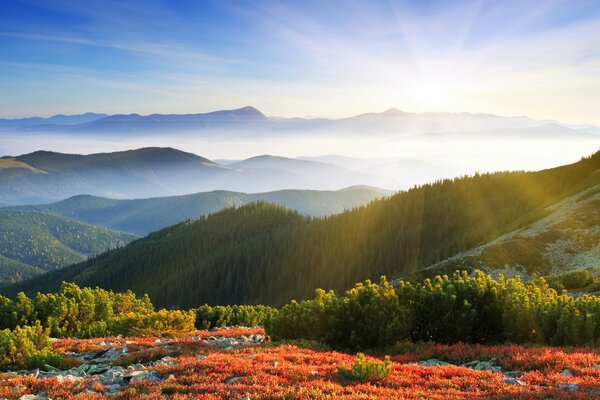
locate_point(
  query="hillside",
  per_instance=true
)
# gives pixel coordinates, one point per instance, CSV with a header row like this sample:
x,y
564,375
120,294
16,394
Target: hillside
x,y
32,243
567,238
142,216
43,176
263,253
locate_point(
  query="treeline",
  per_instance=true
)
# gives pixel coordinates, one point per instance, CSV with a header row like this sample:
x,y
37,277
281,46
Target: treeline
x,y
264,254
237,315
85,312
26,324
446,309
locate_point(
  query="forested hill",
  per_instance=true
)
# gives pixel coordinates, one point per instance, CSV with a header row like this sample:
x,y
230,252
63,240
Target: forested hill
x,y
142,216
261,253
32,243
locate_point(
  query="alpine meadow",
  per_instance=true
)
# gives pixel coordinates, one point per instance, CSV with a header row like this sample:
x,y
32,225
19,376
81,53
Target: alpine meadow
x,y
245,200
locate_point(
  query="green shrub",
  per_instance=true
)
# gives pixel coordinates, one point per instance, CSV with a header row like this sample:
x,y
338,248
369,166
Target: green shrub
x,y
237,315
165,323
456,308
22,343
467,308
570,280
365,371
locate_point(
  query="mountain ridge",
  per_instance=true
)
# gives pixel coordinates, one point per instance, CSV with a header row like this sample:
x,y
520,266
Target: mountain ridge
x,y
46,176
142,216
262,253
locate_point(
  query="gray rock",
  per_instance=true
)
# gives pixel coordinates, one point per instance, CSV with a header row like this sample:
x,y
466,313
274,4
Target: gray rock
x,y
513,374
38,396
68,378
50,368
513,381
114,388
566,372
569,386
233,380
483,365
145,375
433,362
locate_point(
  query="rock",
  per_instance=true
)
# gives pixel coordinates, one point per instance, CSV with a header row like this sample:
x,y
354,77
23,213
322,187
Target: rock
x,y
569,386
68,378
143,376
38,396
513,374
114,388
50,368
256,338
513,381
233,380
169,361
112,377
433,362
483,365
566,372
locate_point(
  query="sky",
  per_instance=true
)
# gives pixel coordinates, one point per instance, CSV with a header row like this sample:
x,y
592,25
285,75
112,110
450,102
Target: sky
x,y
301,58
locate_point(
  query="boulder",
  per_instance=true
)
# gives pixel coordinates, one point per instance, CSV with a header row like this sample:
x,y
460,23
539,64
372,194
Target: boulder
x,y
433,362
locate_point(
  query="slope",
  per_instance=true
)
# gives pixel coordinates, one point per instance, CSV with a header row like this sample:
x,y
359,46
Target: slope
x,y
32,243
43,176
567,238
262,253
142,216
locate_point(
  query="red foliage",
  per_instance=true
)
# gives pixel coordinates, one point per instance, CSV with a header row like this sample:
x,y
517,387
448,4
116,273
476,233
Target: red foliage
x,y
290,372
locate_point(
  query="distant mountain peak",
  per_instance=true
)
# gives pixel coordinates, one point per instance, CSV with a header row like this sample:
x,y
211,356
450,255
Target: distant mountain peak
x,y
394,112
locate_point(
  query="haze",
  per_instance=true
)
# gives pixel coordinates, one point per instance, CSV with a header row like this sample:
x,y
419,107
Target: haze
x,y
331,60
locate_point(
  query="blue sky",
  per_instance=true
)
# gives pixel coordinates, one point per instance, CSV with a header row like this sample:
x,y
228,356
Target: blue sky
x,y
299,58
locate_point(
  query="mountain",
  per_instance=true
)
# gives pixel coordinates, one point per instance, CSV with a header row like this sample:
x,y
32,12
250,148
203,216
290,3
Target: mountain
x,y
54,120
44,176
262,253
33,243
567,238
142,216
160,122
250,121
319,172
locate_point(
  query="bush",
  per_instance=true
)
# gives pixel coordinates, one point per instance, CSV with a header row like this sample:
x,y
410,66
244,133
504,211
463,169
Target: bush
x,y
165,323
237,315
365,371
457,308
369,315
21,344
460,308
570,280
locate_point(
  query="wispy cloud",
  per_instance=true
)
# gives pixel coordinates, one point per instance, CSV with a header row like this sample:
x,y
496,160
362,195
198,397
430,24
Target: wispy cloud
x,y
321,58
